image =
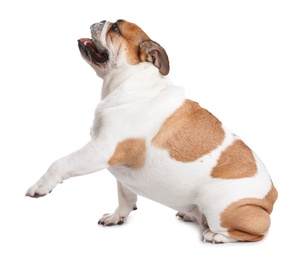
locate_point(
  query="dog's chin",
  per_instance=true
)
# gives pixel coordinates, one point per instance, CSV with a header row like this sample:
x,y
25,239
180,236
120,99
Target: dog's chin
x,y
90,51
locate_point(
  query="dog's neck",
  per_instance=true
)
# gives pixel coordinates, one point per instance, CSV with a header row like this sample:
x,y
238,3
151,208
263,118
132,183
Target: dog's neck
x,y
132,80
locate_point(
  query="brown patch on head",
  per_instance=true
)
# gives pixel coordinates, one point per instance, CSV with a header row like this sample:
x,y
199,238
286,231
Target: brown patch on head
x,y
237,161
189,133
248,219
130,152
127,36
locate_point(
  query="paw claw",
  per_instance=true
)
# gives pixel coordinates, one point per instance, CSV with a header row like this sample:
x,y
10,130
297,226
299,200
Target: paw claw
x,y
121,221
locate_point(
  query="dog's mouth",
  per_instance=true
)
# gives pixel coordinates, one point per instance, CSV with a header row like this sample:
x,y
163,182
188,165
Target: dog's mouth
x,y
89,50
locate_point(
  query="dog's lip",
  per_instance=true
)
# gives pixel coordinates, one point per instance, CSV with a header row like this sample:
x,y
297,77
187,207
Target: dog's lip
x,y
88,42
88,47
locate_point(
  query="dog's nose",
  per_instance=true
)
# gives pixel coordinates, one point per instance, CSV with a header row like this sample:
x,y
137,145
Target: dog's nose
x,y
103,21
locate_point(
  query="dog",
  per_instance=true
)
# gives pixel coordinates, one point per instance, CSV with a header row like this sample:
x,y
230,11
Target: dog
x,y
160,145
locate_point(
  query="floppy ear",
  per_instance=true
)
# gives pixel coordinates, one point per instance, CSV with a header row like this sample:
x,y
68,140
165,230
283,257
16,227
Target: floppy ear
x,y
153,52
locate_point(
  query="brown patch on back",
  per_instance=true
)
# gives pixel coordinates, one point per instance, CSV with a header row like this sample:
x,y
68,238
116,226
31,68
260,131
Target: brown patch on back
x,y
237,161
130,152
189,133
248,219
128,40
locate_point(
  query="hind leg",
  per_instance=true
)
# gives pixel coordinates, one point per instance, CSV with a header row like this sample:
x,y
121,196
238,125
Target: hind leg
x,y
237,223
218,235
214,234
248,222
212,230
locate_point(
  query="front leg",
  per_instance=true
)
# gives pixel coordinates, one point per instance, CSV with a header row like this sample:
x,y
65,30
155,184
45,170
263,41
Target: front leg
x,y
84,161
127,202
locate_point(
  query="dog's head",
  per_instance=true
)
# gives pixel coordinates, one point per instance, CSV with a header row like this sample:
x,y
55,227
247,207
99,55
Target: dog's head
x,y
114,45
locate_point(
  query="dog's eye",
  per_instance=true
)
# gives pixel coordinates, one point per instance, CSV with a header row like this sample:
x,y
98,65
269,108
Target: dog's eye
x,y
115,28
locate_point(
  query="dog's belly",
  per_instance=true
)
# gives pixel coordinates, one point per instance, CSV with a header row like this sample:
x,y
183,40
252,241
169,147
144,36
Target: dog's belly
x,y
165,186
184,186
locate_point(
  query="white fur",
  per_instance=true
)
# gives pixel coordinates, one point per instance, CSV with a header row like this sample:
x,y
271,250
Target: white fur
x,y
136,100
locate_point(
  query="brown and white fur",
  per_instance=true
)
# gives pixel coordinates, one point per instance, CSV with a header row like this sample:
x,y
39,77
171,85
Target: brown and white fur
x,y
160,145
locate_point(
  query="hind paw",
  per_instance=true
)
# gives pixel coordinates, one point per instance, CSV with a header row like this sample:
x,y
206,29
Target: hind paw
x,y
185,217
216,238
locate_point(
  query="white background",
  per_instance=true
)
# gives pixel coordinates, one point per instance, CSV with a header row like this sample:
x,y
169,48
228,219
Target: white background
x,y
239,59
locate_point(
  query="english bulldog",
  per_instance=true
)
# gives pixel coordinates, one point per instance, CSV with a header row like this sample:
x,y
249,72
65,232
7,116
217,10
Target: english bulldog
x,y
160,145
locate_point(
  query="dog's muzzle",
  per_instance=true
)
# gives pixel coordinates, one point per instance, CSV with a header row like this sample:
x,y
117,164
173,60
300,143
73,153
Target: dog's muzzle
x,y
91,48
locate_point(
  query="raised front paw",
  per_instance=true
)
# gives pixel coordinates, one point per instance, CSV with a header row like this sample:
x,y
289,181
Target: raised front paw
x,y
38,190
112,219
